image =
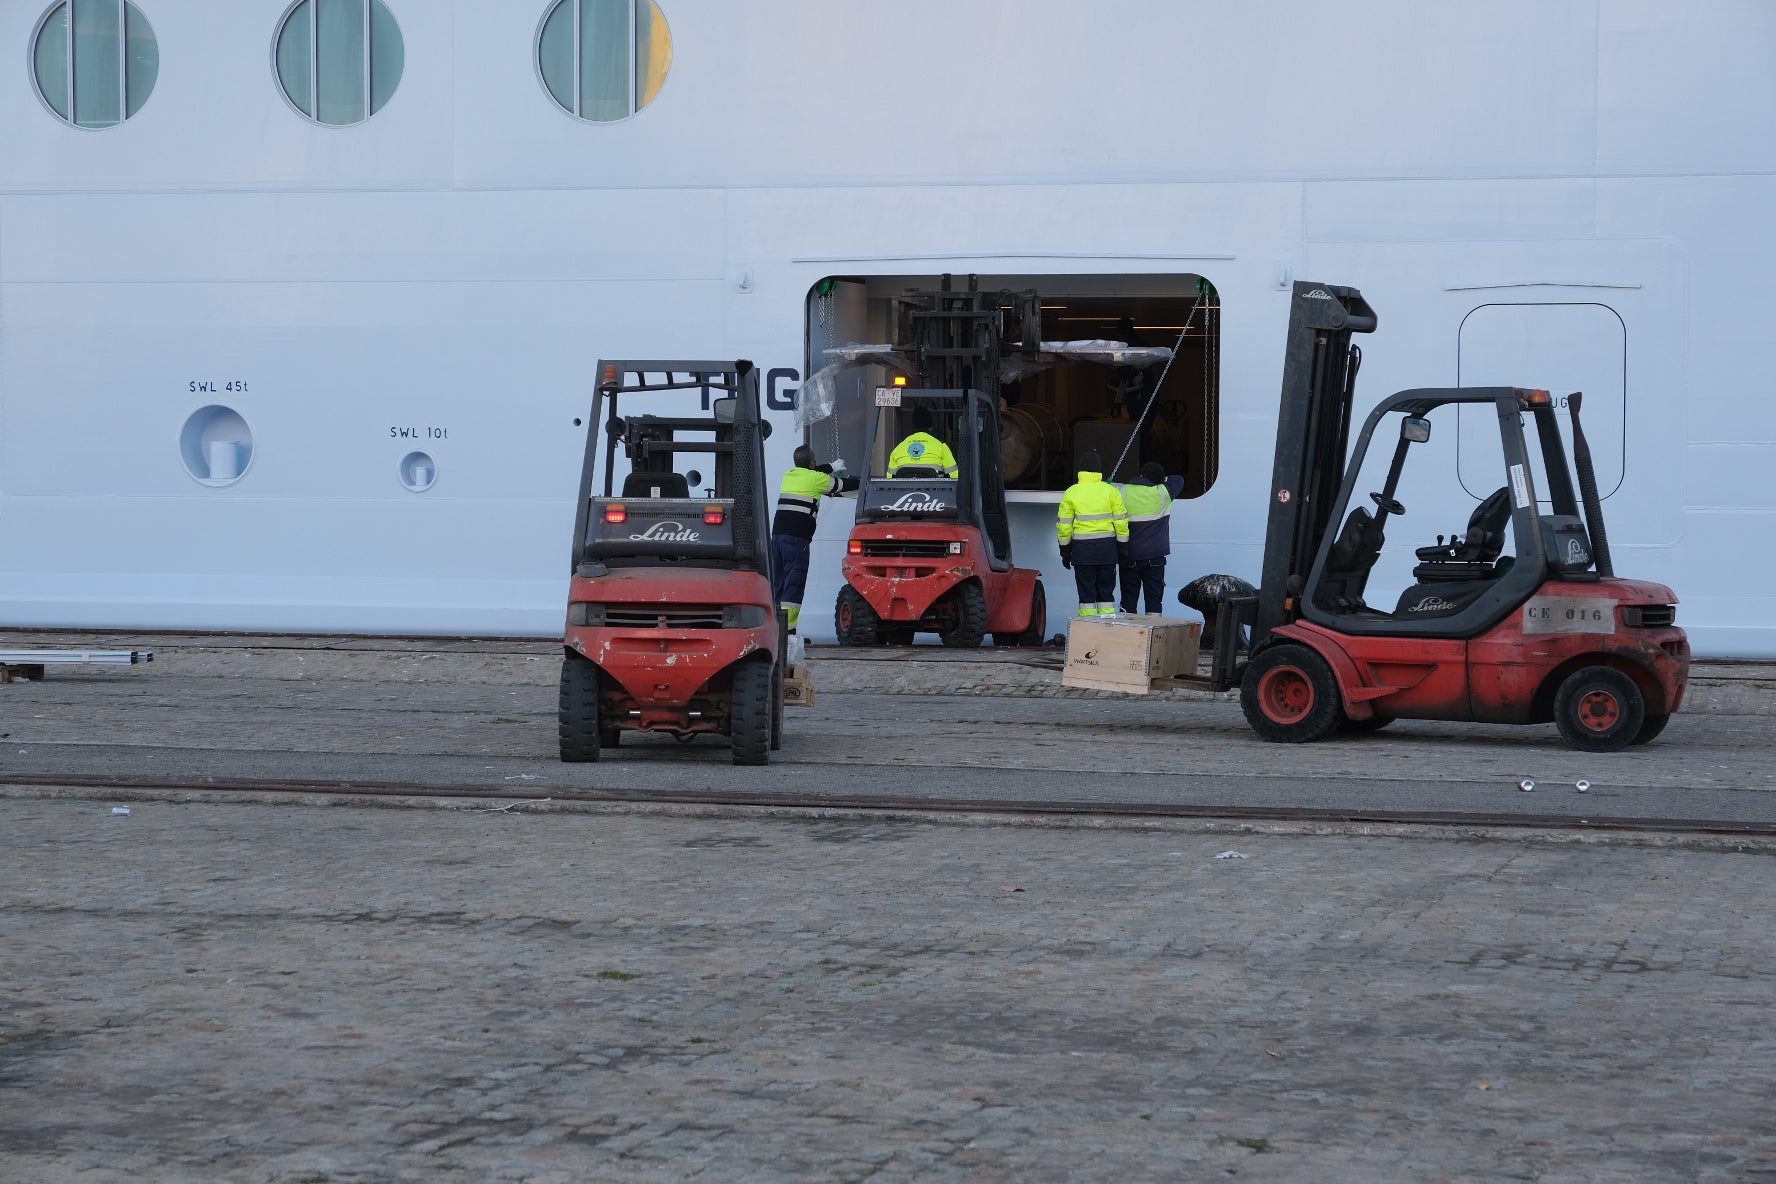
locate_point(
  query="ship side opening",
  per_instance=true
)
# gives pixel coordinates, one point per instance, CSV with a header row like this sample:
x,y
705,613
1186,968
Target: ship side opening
x,y
1129,415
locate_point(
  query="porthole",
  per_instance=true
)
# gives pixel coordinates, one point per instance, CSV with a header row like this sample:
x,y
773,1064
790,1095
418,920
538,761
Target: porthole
x,y
603,60
339,61
95,61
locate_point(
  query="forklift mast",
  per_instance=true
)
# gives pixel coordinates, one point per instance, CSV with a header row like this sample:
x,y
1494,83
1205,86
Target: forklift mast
x,y
957,341
958,338
1313,434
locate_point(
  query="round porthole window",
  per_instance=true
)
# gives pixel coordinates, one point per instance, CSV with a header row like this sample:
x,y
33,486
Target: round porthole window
x,y
603,60
339,61
418,471
216,445
95,61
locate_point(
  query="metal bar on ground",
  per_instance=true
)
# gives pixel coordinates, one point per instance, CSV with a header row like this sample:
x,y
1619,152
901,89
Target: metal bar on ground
x,y
46,657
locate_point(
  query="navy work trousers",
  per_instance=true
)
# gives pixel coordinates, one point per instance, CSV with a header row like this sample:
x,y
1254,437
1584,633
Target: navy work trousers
x,y
1097,585
1144,576
789,568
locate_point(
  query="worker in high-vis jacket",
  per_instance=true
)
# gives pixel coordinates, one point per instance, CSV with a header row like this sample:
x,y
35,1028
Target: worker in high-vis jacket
x,y
1093,527
792,528
1149,500
922,448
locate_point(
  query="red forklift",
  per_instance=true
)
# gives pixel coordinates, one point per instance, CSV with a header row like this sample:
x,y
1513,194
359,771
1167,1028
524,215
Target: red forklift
x,y
671,626
1518,617
931,550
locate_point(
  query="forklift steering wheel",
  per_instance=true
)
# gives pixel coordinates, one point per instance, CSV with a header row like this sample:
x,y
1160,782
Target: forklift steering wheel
x,y
1391,505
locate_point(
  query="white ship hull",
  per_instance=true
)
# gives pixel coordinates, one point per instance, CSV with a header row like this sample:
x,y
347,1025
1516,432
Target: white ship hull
x,y
1547,192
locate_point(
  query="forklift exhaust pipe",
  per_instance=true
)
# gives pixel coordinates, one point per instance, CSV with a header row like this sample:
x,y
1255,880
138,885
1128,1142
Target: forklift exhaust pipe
x,y
1588,491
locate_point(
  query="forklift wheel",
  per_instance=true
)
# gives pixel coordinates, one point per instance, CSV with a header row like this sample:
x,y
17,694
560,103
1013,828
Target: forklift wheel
x,y
854,619
578,727
777,703
1038,628
1290,695
963,617
1599,709
749,713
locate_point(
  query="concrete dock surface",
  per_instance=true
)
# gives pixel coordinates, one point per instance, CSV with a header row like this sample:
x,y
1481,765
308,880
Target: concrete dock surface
x,y
242,986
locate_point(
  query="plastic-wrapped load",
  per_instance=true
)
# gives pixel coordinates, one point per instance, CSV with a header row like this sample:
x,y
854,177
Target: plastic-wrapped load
x,y
1205,594
818,396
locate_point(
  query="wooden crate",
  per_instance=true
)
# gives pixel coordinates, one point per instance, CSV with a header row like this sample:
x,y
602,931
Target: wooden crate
x,y
798,687
1131,652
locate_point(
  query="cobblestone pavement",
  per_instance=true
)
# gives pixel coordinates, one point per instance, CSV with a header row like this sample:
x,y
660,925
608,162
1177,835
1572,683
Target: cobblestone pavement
x,y
280,994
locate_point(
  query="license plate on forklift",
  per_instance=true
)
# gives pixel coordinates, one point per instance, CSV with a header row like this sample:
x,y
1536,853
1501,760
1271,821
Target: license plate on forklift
x,y
887,396
1569,614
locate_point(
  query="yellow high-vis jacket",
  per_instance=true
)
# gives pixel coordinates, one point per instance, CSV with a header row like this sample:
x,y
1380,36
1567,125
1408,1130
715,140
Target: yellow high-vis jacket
x,y
922,448
1092,518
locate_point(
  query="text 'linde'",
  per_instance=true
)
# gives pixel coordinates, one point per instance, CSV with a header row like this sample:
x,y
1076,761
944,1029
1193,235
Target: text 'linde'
x,y
666,532
916,500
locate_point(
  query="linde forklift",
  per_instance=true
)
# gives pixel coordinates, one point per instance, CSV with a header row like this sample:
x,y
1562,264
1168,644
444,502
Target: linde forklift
x,y
1547,633
671,625
931,552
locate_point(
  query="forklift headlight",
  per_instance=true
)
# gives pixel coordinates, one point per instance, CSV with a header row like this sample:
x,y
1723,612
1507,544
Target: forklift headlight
x,y
584,614
1649,616
955,548
743,616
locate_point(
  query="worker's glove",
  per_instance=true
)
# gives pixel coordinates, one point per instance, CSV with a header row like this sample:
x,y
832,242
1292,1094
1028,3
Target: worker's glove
x,y
838,466
1066,555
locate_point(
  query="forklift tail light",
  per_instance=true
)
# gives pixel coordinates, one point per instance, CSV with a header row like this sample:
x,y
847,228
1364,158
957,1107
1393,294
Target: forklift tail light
x,y
856,547
712,515
616,514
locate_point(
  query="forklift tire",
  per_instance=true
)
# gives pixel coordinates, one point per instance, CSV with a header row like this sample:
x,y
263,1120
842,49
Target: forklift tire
x,y
1034,635
1599,709
777,704
1651,727
749,713
969,604
855,620
779,672
1290,695
578,727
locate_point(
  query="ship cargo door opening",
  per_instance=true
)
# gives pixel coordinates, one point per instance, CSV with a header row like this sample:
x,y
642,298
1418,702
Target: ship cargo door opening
x,y
1050,417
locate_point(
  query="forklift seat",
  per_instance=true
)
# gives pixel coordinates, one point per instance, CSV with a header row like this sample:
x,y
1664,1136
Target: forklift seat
x,y
1348,564
645,484
905,472
1475,553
